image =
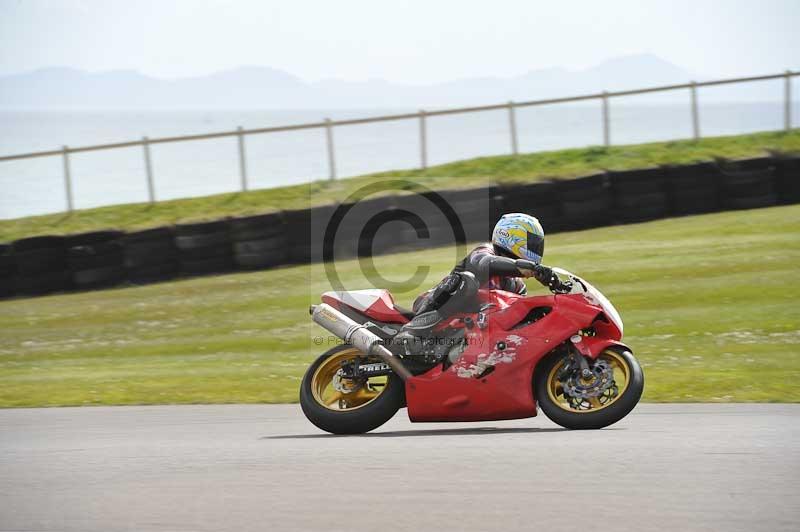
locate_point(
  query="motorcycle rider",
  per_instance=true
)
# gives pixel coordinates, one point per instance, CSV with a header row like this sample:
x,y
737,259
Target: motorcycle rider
x,y
491,265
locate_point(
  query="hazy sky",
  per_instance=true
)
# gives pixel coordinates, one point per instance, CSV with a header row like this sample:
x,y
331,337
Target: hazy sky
x,y
404,41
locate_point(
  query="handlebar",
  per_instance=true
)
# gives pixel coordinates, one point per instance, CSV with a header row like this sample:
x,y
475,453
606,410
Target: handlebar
x,y
545,275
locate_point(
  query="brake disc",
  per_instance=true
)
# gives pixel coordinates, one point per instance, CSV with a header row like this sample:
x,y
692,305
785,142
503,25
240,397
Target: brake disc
x,y
345,385
601,380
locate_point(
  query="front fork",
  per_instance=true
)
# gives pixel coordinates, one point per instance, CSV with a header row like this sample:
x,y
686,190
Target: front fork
x,y
575,359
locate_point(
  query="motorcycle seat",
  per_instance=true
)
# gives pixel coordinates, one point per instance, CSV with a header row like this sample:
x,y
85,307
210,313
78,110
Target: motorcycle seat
x,y
406,313
377,304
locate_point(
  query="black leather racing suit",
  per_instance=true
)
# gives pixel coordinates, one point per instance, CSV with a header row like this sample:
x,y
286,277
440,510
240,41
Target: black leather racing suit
x,y
490,269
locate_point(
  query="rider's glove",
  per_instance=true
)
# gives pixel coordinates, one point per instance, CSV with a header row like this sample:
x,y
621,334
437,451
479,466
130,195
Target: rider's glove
x,y
451,283
545,275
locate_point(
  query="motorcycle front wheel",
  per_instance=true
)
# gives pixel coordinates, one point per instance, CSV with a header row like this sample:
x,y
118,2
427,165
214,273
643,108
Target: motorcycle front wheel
x,y
344,406
609,395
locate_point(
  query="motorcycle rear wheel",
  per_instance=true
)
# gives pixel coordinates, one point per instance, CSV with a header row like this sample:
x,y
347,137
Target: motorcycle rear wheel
x,y
371,403
595,412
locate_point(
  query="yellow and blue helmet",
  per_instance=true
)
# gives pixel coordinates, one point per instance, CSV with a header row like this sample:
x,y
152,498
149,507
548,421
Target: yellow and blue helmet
x,y
520,235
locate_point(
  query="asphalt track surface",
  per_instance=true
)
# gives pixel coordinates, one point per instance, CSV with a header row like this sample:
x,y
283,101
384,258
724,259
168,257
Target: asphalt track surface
x,y
263,467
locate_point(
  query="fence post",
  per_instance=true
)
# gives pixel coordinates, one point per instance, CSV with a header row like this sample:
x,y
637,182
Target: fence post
x,y
242,158
787,101
695,111
148,167
331,156
512,125
423,140
67,178
606,125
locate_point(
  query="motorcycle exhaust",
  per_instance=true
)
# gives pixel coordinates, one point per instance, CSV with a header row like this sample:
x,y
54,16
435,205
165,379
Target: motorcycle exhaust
x,y
356,335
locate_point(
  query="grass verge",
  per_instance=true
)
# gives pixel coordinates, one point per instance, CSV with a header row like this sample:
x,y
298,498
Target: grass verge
x,y
561,164
709,303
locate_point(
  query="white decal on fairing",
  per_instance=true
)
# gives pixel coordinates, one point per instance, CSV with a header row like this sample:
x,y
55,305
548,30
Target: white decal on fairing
x,y
483,361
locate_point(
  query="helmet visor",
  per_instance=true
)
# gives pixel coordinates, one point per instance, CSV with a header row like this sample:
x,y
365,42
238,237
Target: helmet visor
x,y
535,244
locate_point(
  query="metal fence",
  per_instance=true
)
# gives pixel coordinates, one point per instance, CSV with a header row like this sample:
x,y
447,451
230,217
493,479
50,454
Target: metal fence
x,y
422,116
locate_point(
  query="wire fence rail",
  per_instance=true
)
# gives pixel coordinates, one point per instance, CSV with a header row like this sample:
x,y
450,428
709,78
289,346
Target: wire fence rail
x,y
422,116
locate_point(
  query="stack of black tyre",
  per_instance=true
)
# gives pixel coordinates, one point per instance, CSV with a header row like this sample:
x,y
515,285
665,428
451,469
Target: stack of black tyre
x,y
541,200
204,248
259,241
8,269
787,178
693,188
639,195
474,210
41,264
358,233
747,183
586,202
298,245
427,222
151,255
96,259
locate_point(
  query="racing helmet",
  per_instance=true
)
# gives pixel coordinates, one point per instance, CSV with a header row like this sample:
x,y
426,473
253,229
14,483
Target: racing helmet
x,y
519,235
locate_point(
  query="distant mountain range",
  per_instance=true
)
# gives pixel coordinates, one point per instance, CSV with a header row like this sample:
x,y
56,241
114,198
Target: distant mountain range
x,y
263,87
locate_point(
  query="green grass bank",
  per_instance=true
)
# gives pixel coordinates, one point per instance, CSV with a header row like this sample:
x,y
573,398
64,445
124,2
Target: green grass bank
x,y
561,164
709,303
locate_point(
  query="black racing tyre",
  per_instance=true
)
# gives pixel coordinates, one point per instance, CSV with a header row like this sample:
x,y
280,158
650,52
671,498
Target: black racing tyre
x,y
588,213
588,415
155,234
299,254
95,256
149,253
641,208
98,277
210,252
93,239
754,202
370,409
41,260
207,266
8,264
787,178
153,273
260,246
202,241
6,287
256,227
38,242
693,201
202,228
260,260
42,283
40,254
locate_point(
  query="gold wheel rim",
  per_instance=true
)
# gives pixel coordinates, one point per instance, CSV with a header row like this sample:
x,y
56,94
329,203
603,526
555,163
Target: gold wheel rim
x,y
363,393
621,372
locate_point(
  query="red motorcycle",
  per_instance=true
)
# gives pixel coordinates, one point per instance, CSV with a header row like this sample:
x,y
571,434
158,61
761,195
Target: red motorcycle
x,y
560,351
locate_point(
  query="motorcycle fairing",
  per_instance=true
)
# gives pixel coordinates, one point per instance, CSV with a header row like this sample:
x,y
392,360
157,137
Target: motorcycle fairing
x,y
493,377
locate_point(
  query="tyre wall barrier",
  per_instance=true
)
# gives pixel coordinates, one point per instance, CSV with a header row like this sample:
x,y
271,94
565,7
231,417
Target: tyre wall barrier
x,y
639,195
787,178
540,199
692,189
259,241
41,265
96,259
8,270
747,184
46,264
204,248
151,255
586,202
